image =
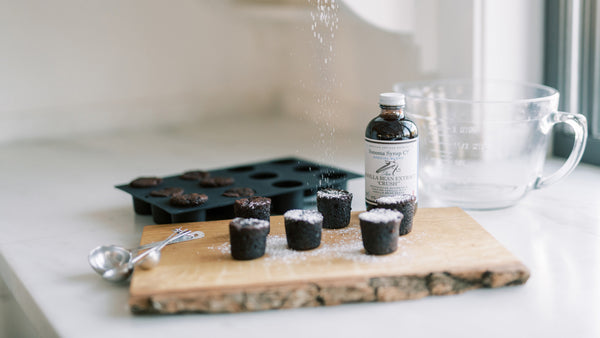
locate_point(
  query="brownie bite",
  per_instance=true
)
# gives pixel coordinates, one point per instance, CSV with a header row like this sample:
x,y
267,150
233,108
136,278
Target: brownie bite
x,y
253,207
248,238
303,228
239,192
145,182
167,192
214,182
379,230
335,205
188,200
194,175
406,204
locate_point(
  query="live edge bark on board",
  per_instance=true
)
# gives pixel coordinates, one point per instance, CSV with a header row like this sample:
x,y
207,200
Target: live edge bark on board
x,y
446,253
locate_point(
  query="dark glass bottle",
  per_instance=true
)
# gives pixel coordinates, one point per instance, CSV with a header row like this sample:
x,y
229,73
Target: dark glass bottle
x,y
392,147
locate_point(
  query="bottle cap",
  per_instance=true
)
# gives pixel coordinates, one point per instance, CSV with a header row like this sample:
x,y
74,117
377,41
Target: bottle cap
x,y
391,99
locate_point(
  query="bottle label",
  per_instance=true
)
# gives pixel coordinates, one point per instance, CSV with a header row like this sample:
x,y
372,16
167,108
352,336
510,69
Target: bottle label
x,y
391,168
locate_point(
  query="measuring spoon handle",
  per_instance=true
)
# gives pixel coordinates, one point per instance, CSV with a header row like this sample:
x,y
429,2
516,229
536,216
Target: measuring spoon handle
x,y
191,236
160,246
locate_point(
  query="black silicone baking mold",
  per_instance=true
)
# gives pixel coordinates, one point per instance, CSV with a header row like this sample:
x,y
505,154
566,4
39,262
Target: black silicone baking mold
x,y
287,181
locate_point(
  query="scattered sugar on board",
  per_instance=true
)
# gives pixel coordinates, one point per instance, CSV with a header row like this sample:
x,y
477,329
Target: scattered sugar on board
x,y
348,246
224,248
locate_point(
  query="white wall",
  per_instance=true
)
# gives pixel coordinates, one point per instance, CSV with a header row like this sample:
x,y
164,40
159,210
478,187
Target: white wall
x,y
512,43
71,66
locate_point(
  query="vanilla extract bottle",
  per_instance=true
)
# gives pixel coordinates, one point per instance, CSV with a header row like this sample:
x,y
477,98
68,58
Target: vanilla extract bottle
x,y
392,152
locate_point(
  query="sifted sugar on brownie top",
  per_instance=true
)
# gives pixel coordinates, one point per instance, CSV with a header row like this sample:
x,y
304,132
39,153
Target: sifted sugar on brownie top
x,y
257,201
395,199
333,193
249,222
299,215
380,216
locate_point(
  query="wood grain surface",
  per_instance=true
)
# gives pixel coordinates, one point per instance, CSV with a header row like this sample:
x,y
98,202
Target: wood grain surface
x,y
447,252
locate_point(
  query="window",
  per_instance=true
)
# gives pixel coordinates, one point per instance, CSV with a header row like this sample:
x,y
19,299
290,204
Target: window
x,y
572,65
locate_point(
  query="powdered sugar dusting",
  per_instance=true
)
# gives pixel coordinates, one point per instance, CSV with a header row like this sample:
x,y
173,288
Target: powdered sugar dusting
x,y
395,199
332,193
250,222
380,216
257,202
347,246
343,244
299,215
224,248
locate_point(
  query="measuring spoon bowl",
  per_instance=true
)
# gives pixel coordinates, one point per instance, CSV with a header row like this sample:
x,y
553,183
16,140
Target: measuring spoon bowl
x,y
106,257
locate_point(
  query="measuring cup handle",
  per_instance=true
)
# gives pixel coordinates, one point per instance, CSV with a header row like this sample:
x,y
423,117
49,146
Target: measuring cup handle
x,y
578,123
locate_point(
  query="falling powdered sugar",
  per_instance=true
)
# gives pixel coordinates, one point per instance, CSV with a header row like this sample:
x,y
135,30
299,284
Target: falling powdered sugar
x,y
325,23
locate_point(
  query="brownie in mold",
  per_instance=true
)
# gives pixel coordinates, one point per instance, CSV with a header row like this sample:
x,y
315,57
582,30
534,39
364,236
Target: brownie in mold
x,y
194,175
239,192
146,182
213,182
286,181
167,192
188,200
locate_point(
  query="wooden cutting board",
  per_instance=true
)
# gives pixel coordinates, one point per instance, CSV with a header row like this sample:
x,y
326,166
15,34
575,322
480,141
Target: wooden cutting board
x,y
447,252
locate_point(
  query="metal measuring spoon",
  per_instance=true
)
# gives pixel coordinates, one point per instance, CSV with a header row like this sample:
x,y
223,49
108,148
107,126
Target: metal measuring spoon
x,y
191,236
104,258
123,271
152,257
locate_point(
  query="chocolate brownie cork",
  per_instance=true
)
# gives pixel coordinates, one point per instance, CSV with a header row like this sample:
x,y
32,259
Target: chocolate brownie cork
x,y
213,182
303,228
239,192
379,230
248,238
253,207
406,204
167,192
194,175
188,200
145,182
335,205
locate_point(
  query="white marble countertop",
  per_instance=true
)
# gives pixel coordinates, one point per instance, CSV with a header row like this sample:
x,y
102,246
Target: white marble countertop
x,y
58,202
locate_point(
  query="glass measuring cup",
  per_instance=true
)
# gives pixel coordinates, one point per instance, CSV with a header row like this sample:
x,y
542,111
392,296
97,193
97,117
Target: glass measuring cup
x,y
483,142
